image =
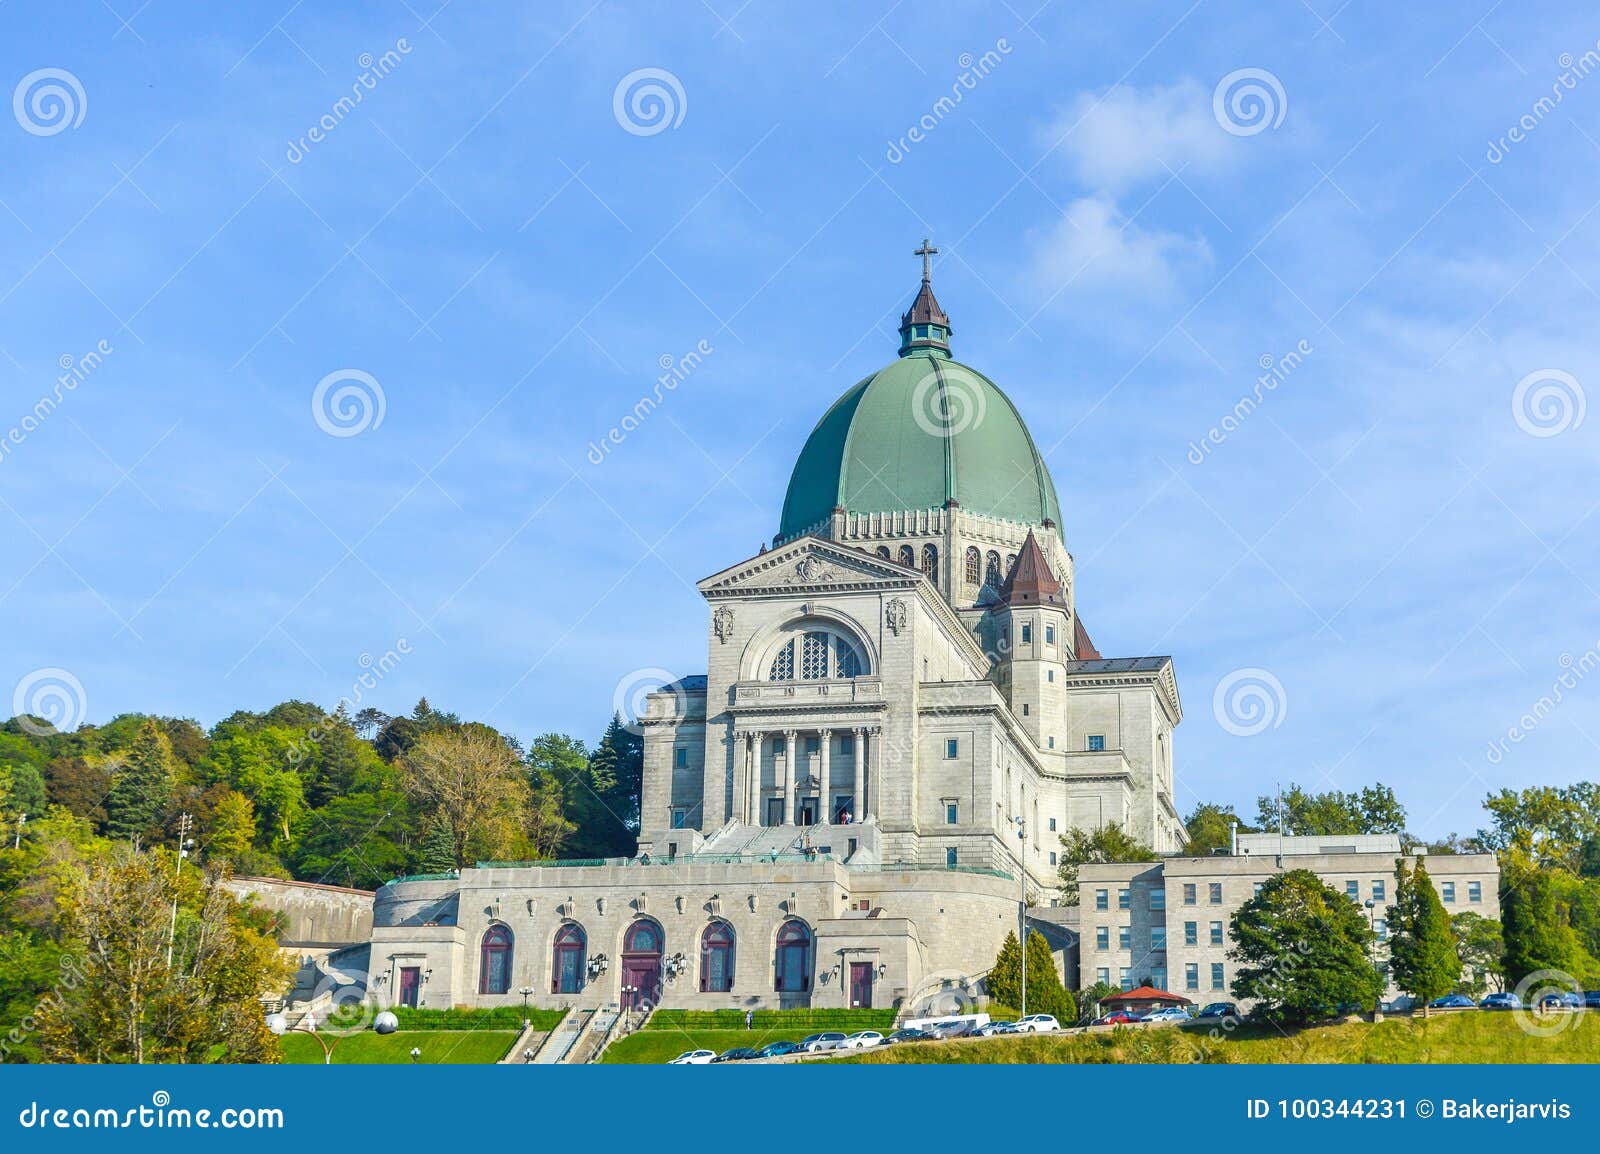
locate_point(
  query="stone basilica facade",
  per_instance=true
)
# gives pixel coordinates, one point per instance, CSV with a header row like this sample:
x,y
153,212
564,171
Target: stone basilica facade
x,y
901,714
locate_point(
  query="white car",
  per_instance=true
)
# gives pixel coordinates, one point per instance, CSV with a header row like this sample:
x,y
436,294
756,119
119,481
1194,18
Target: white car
x,y
1037,1024
1167,1014
861,1040
694,1058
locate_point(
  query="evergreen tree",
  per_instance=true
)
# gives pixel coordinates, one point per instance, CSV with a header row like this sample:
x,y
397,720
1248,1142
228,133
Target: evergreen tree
x,y
1422,948
1534,926
142,788
1005,976
437,853
233,828
1046,994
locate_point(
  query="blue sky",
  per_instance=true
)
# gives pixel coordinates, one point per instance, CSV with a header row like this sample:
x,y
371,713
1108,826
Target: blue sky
x,y
486,240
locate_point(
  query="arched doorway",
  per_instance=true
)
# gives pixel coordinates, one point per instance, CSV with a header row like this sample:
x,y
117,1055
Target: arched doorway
x,y
567,960
792,960
716,959
642,948
494,961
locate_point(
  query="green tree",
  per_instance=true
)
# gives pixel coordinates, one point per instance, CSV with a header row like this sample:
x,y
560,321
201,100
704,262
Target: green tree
x,y
1374,809
232,831
1534,924
1483,953
1301,951
141,788
1422,949
1211,828
616,772
1549,826
79,785
1046,994
471,781
436,854
1090,997
263,764
347,842
1109,843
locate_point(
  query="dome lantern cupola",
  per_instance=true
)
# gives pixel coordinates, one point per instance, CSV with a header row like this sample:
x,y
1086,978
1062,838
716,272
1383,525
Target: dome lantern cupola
x,y
924,328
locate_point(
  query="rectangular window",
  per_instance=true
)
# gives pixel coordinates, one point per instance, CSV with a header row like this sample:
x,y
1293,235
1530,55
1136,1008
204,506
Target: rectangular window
x,y
1097,743
1352,890
952,747
1158,938
1379,889
1049,634
1126,978
1027,633
1124,899
1217,982
1052,857
1102,937
1474,891
1216,893
1050,675
1448,892
1216,933
681,757
847,743
1158,977
1188,893
1102,899
1381,928
1024,709
1158,899
1103,976
1052,743
1052,825
678,818
1191,933
777,744
813,744
950,813
1124,937
950,856
1191,975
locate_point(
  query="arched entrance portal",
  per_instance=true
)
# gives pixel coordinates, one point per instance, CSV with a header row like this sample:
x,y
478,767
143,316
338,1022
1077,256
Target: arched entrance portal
x,y
641,965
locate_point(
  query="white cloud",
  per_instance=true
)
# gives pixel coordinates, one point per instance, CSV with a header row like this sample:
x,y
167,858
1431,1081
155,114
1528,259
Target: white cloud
x,y
1132,135
1093,247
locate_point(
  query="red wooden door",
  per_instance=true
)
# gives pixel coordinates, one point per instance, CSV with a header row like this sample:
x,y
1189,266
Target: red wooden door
x,y
861,985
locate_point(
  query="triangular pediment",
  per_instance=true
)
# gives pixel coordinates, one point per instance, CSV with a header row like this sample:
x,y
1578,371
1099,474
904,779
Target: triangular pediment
x,y
809,564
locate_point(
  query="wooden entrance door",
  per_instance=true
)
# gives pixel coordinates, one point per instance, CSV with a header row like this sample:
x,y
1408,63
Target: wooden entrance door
x,y
861,985
410,985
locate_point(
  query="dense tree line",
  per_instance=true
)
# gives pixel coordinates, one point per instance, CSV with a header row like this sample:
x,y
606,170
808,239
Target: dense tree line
x,y
297,792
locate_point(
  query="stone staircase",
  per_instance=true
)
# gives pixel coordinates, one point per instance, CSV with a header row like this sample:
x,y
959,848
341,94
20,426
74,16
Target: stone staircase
x,y
561,1039
757,840
593,1039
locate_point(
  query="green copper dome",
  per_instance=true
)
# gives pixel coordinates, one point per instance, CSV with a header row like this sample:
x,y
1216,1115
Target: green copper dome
x,y
918,434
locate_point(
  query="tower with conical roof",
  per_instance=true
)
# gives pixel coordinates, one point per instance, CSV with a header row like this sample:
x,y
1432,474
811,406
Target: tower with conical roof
x,y
924,327
1035,644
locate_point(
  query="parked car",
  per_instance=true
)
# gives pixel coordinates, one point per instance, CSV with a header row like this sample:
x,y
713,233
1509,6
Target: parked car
x,y
1037,1024
1218,1011
1117,1018
950,1029
1452,1002
861,1040
993,1029
778,1049
1562,1000
1500,1002
817,1043
1591,1000
737,1054
1167,1014
909,1034
694,1058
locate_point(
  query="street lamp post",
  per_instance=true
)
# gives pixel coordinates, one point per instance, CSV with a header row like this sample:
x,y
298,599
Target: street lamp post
x,y
1022,906
526,992
1372,926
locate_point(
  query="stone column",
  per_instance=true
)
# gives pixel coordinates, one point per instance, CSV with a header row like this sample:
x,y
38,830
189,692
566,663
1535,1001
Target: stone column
x,y
789,738
873,778
857,802
824,740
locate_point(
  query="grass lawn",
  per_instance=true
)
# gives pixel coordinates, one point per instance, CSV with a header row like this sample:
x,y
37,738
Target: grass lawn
x,y
466,1047
671,1032
1466,1037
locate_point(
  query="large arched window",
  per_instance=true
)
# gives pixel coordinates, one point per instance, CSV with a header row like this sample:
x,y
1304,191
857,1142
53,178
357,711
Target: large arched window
x,y
815,655
991,568
1011,563
716,959
793,962
974,565
494,969
930,562
883,551
644,937
908,557
567,960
